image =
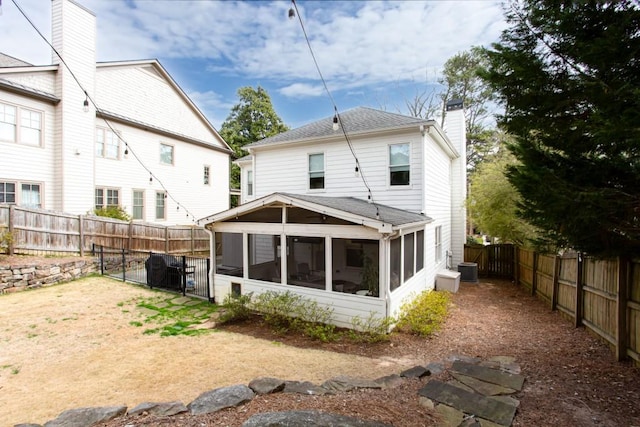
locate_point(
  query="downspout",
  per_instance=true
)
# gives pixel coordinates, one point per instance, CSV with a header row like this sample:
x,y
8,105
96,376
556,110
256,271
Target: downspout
x,y
212,264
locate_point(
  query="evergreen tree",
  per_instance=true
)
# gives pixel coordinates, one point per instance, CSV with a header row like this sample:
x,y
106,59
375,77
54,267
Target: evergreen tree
x,y
251,119
569,74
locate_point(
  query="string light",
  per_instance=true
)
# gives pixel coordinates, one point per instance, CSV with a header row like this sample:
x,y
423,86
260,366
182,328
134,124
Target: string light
x,y
89,99
337,123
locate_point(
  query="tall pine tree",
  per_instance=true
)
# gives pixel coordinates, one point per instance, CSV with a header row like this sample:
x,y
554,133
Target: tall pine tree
x,y
569,74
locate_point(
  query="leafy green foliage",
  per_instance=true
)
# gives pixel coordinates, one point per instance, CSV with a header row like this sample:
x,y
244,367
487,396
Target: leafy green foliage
x,y
116,212
253,118
424,314
493,202
278,309
6,238
371,329
236,308
569,75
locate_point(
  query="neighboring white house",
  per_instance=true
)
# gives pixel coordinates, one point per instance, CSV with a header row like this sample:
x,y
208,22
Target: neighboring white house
x,y
146,147
358,216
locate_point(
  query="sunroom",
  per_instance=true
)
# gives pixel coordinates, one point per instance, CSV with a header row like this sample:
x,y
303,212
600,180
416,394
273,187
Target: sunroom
x,y
358,258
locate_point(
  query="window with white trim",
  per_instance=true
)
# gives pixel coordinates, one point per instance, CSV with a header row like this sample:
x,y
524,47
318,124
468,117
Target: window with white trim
x,y
107,144
105,197
161,206
399,164
30,196
249,183
137,205
166,154
438,239
316,171
29,131
8,192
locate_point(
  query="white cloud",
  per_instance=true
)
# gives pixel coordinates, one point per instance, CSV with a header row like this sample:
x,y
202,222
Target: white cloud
x,y
302,90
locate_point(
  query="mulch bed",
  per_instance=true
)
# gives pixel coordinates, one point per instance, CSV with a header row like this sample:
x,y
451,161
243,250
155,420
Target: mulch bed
x,y
572,378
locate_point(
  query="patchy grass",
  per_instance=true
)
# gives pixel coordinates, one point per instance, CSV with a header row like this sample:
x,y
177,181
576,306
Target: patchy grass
x,y
170,314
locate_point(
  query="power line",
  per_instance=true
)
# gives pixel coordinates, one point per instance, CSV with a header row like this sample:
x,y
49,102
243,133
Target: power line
x,y
128,148
358,168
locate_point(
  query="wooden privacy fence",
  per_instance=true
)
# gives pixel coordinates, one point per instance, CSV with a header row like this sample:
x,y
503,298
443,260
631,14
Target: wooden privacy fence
x,y
492,260
602,295
42,232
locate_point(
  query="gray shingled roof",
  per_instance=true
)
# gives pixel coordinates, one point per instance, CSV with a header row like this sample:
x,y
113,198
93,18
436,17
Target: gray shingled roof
x,y
360,119
393,216
17,87
10,61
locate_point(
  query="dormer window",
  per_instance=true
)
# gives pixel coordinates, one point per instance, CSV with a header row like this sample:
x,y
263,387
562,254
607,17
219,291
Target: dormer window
x,y
399,164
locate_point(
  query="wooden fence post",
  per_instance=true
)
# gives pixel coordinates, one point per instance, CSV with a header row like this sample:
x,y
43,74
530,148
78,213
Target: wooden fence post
x,y
130,242
81,230
12,218
193,243
516,262
534,280
621,309
579,295
556,276
166,240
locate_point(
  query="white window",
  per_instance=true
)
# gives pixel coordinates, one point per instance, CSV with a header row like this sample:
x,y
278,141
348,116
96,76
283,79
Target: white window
x,y
399,164
205,176
316,171
30,130
249,183
7,123
438,243
409,256
8,192
107,197
166,154
30,127
30,196
137,211
161,211
107,144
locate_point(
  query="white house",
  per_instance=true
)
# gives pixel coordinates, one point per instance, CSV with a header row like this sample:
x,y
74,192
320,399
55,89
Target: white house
x,y
358,212
76,135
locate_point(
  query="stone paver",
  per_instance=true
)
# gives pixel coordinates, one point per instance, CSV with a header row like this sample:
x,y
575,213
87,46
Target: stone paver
x,y
148,312
181,300
493,376
482,387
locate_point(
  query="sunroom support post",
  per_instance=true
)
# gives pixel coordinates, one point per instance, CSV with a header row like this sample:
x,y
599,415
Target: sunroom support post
x,y
328,263
284,260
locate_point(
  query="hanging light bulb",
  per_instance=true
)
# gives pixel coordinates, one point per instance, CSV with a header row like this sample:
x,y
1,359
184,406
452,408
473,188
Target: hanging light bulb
x,y
357,172
85,104
335,122
292,13
150,179
126,150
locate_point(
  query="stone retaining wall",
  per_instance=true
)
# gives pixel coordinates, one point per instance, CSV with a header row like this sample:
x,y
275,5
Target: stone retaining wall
x,y
19,277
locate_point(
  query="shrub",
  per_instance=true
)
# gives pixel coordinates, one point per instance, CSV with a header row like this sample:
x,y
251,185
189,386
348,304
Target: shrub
x,y
278,308
371,329
116,212
424,314
6,238
236,308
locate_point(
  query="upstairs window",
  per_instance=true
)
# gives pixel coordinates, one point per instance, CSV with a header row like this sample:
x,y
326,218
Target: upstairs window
x,y
316,171
30,127
29,131
166,154
205,175
107,144
7,123
399,164
249,183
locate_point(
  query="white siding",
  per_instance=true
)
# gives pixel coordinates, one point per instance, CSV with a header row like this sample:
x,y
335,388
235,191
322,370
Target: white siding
x,y
286,170
184,180
20,162
131,90
41,80
455,126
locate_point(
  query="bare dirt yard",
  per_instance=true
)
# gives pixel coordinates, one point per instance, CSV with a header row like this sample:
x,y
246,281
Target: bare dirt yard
x,y
82,344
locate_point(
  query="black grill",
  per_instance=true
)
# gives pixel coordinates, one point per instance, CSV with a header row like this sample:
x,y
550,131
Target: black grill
x,y
163,271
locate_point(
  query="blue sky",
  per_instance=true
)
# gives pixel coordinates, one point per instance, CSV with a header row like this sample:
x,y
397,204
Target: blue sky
x,y
371,53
